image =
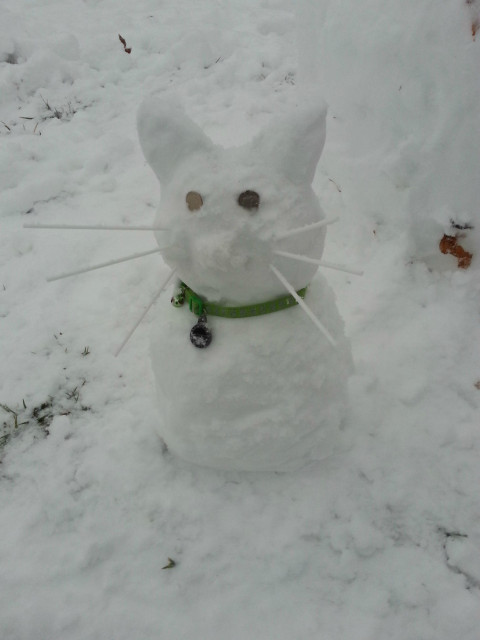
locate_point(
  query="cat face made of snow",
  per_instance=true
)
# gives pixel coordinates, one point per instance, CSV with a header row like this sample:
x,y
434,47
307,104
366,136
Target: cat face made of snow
x,y
224,209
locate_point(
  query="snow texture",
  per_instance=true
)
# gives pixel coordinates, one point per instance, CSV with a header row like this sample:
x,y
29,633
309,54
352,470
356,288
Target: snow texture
x,y
378,541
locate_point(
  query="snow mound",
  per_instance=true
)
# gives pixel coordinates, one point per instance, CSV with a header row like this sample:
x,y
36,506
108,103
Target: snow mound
x,y
270,393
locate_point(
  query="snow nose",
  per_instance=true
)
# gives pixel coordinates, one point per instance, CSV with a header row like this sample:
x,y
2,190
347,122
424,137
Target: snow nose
x,y
222,250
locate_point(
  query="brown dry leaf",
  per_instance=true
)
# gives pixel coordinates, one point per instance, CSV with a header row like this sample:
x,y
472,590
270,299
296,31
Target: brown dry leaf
x,y
449,244
475,26
124,42
477,385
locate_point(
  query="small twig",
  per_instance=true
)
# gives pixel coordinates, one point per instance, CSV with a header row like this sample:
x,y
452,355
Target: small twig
x,y
170,565
338,187
124,42
8,410
46,103
461,227
74,394
15,415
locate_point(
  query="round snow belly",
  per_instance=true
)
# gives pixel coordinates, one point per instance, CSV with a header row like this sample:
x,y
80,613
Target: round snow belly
x,y
269,393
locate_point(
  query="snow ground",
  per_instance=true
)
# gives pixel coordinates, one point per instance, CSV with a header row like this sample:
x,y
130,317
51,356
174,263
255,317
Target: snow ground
x,y
382,541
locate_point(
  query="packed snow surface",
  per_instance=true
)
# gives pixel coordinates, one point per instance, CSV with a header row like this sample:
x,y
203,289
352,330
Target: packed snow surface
x,y
381,539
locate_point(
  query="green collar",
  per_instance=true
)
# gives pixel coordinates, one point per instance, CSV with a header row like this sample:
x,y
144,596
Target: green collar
x,y
200,307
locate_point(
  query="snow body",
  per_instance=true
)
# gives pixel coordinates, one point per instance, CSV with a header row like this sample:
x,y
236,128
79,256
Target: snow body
x,y
270,392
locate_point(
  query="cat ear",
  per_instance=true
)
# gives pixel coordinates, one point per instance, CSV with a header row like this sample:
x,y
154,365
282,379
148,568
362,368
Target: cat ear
x,y
293,144
168,136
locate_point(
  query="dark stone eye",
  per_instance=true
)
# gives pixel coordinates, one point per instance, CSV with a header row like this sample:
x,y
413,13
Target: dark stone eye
x,y
194,200
249,200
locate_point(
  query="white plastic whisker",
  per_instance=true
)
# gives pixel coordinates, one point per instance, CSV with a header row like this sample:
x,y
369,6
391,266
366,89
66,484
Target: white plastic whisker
x,y
155,298
308,227
321,263
95,227
303,305
101,265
